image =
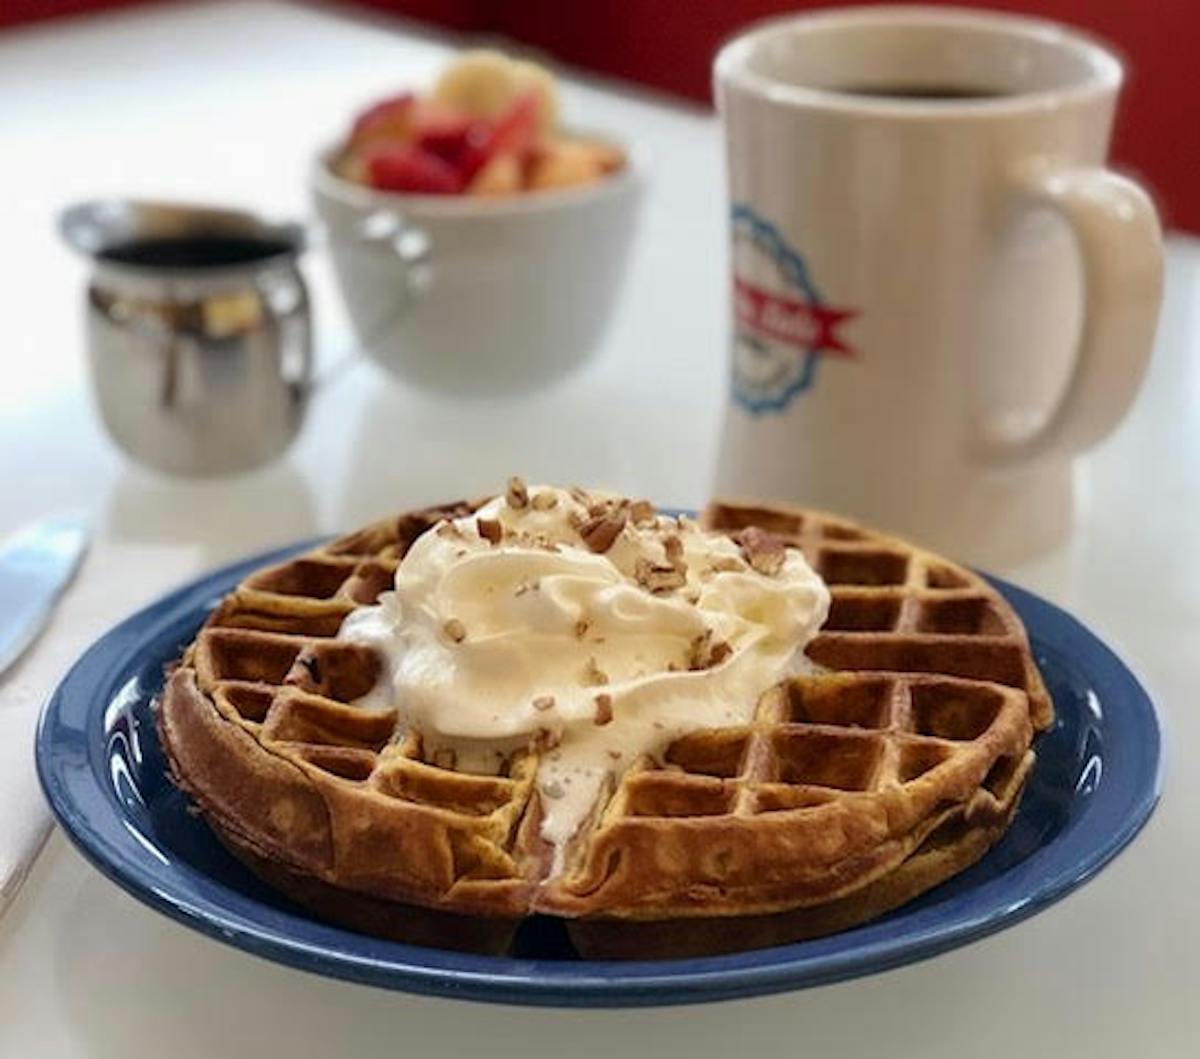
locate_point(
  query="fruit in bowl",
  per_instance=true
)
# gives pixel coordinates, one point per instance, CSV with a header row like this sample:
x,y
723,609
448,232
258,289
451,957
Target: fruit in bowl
x,y
488,128
514,236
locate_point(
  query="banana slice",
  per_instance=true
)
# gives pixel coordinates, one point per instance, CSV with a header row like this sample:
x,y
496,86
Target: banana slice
x,y
481,82
485,83
532,77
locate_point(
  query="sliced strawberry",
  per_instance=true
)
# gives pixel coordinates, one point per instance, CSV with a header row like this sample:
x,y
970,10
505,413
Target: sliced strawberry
x,y
516,131
389,119
403,167
513,134
445,134
452,140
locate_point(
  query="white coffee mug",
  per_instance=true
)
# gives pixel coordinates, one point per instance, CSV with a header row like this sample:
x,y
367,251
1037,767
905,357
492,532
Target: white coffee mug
x,y
940,293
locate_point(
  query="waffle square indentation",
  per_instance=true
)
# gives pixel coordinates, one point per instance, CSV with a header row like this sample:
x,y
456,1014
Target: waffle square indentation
x,y
851,704
939,575
300,719
249,701
1001,776
854,613
917,758
341,671
365,543
970,615
311,578
369,580
349,763
711,753
954,711
238,655
781,523
824,759
669,794
461,792
876,566
779,797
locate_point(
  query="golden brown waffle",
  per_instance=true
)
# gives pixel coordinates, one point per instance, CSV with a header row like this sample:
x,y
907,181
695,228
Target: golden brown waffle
x,y
949,846
850,791
898,607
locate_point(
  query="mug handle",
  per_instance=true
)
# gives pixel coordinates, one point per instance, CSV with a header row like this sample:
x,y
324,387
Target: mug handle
x,y
409,244
384,229
1119,238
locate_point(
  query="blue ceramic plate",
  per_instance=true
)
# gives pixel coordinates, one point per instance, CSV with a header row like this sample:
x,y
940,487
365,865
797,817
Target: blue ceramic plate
x,y
1095,784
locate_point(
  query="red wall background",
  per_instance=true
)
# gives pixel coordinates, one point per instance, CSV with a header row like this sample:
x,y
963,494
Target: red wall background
x,y
669,44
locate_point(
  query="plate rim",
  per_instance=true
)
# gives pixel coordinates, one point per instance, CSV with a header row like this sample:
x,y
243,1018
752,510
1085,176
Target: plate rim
x,y
513,980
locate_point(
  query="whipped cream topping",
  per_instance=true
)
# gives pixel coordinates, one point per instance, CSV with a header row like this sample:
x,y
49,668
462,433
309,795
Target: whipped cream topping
x,y
586,624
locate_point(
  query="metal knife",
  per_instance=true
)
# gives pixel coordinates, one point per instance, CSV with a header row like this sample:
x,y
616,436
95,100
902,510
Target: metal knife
x,y
36,564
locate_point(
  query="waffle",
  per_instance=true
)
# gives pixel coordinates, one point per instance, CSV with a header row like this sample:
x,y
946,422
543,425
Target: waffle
x,y
893,765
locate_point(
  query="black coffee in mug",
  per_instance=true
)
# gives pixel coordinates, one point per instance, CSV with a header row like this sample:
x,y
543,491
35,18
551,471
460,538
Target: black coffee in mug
x,y
927,93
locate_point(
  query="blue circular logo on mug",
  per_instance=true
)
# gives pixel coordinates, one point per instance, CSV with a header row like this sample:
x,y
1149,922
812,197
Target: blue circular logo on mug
x,y
782,325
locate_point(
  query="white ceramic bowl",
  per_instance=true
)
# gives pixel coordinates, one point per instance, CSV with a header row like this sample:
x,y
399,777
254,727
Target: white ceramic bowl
x,y
479,295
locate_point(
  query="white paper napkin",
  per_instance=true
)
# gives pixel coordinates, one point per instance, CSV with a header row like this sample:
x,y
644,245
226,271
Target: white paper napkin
x,y
115,580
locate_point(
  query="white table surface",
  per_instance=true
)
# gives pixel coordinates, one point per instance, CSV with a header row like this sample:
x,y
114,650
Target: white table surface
x,y
225,101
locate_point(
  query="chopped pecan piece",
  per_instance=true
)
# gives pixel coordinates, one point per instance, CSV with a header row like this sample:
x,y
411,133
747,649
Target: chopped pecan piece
x,y
543,702
673,546
706,652
490,529
544,501
763,551
455,630
581,628
720,651
516,496
445,758
600,531
655,577
593,674
604,711
642,512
